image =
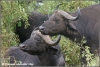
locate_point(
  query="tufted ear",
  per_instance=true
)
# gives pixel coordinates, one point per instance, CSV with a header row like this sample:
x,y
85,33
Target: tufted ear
x,y
71,29
52,50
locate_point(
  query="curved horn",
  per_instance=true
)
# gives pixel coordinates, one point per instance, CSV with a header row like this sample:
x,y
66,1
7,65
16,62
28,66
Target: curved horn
x,y
68,16
48,40
36,28
34,31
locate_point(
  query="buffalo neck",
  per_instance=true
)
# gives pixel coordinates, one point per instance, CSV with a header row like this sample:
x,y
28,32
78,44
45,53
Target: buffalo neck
x,y
46,59
71,35
73,38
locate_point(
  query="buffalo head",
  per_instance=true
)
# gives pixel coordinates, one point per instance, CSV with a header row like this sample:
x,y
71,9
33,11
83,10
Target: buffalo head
x,y
38,43
59,23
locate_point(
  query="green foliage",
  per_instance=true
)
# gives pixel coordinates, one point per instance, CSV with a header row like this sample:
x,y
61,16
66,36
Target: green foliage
x,y
71,52
88,54
13,11
69,6
94,61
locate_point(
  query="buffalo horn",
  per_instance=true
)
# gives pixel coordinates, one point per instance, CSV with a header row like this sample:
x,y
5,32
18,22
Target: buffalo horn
x,y
68,16
36,28
48,40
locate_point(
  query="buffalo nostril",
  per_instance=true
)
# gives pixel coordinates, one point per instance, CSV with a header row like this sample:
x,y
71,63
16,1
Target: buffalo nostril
x,y
22,46
41,28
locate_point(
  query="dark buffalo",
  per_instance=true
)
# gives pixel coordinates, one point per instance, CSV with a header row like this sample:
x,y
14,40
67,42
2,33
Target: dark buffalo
x,y
39,44
35,19
16,54
86,24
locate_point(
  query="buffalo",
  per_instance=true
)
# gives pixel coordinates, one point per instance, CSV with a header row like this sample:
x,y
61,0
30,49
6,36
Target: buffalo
x,y
16,54
40,45
35,19
86,24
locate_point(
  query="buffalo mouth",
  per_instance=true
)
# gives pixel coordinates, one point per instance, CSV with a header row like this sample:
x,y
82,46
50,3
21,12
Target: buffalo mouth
x,y
48,33
44,33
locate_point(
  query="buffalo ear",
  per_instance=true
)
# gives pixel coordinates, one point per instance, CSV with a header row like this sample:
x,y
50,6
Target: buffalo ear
x,y
52,50
71,29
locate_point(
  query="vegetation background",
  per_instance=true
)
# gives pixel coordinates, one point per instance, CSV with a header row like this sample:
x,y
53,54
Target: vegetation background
x,y
11,11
